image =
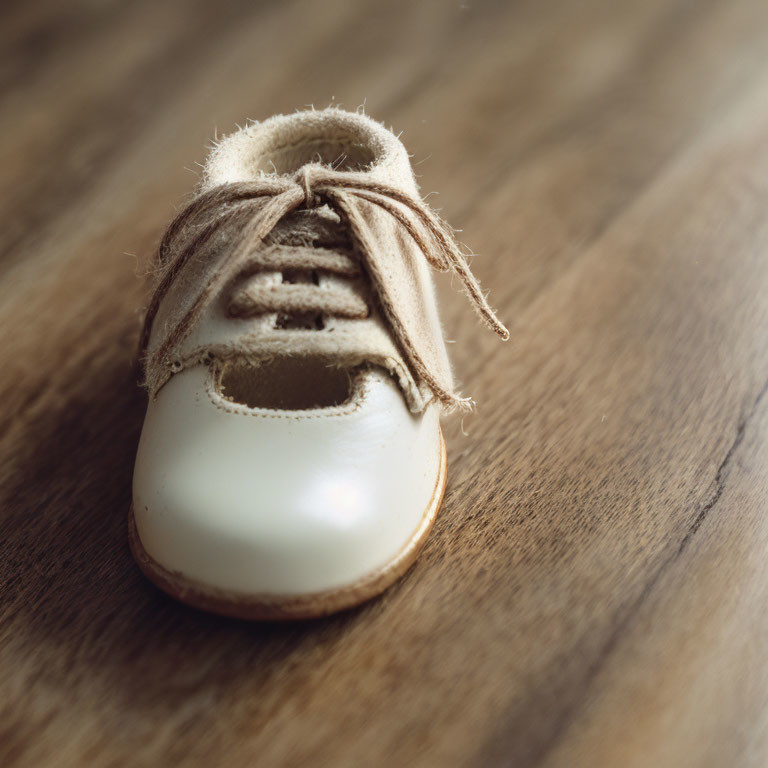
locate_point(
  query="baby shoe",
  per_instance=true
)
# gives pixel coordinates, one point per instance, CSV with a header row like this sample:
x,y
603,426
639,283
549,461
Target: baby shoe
x,y
291,462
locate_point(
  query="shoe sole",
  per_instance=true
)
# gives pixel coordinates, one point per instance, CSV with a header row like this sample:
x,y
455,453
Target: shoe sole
x,y
274,607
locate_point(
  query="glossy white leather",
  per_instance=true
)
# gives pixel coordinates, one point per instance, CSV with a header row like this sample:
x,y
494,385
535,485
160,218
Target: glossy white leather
x,y
281,502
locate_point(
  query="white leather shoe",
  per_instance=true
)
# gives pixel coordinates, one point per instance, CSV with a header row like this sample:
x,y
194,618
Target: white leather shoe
x,y
291,462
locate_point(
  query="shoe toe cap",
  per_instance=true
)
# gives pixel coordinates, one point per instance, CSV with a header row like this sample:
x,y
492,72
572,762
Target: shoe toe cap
x,y
283,503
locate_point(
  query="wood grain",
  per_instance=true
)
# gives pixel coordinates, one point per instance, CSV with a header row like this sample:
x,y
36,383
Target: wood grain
x,y
593,593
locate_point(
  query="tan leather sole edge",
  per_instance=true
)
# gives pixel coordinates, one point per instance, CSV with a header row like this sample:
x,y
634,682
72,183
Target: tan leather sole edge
x,y
273,607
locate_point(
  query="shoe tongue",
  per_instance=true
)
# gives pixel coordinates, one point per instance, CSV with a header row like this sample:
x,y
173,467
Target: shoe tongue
x,y
317,227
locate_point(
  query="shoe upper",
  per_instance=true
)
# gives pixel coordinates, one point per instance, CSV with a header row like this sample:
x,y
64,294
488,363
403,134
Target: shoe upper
x,y
295,361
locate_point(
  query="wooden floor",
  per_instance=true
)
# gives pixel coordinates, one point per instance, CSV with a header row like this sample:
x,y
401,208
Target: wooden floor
x,y
594,593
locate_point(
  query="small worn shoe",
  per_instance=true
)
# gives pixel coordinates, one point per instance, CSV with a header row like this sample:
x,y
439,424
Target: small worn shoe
x,y
291,462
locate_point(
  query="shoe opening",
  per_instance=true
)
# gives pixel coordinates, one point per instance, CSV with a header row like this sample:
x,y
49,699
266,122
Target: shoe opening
x,y
344,151
286,383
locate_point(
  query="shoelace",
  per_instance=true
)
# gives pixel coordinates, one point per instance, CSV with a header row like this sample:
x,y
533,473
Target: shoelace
x,y
241,209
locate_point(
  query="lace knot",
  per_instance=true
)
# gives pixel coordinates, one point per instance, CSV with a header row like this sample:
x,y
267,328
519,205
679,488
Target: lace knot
x,y
303,178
